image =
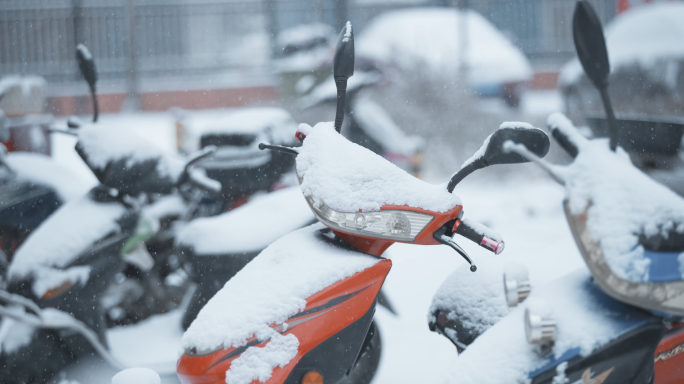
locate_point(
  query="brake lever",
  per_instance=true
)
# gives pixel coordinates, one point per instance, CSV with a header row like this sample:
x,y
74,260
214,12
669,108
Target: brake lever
x,y
279,148
442,238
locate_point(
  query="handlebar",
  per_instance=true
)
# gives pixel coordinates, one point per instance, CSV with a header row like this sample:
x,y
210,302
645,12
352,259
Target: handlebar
x,y
479,234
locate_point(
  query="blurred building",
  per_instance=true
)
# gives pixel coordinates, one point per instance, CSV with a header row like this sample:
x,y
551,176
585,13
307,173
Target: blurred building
x,y
213,53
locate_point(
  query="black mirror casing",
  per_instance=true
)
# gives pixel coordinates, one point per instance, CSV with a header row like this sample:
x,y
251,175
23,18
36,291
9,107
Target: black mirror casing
x,y
343,60
343,69
536,140
86,65
590,44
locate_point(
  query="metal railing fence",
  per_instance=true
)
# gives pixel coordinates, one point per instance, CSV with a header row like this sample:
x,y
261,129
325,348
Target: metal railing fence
x,y
189,37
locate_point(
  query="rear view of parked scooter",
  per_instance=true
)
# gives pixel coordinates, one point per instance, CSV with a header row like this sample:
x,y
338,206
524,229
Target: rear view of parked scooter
x,y
302,311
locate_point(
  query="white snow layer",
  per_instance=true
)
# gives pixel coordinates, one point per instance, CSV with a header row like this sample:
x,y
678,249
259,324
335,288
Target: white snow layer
x,y
428,38
351,178
642,35
103,144
580,323
476,299
15,334
136,376
25,82
271,288
258,363
60,239
621,201
303,34
40,169
243,230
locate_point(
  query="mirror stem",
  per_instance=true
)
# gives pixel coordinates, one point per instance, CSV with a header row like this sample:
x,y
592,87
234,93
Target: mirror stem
x,y
96,109
465,171
341,83
612,124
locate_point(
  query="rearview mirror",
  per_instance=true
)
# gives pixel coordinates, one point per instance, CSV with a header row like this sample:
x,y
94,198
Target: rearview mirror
x,y
5,134
590,44
534,139
343,69
592,53
86,65
492,151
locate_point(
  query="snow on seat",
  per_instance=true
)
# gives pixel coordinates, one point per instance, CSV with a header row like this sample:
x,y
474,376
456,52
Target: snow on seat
x,y
48,251
271,288
123,159
249,228
349,177
622,203
44,170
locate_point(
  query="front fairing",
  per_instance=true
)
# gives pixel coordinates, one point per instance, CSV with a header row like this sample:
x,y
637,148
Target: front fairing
x,y
308,288
592,330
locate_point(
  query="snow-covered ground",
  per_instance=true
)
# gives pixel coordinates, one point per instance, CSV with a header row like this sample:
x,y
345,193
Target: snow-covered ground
x,y
526,211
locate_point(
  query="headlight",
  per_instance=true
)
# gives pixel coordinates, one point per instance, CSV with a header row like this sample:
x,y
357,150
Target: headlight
x,y
516,284
391,224
540,324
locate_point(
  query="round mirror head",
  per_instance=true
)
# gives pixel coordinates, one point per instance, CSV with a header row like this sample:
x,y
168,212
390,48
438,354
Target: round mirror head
x,y
534,139
590,43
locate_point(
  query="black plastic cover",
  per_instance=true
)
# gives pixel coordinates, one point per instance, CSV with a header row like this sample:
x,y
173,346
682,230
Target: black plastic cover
x,y
132,178
643,135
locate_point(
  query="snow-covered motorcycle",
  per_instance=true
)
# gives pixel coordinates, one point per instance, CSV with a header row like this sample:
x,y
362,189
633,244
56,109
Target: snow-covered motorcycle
x,y
302,310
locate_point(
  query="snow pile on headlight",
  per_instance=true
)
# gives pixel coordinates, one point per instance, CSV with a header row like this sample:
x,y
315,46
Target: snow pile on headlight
x,y
271,288
620,200
60,240
349,177
477,300
243,229
581,322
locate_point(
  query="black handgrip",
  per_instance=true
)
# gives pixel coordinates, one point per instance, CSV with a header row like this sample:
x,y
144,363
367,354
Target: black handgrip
x,y
478,236
564,142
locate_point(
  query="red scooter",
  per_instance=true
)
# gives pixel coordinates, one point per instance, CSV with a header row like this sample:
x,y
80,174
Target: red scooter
x,y
302,310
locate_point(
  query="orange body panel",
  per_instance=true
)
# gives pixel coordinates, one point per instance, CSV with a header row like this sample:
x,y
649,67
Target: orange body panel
x,y
671,370
376,247
351,299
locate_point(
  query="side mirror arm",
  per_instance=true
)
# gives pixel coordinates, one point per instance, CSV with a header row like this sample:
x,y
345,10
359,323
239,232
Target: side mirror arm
x,y
465,171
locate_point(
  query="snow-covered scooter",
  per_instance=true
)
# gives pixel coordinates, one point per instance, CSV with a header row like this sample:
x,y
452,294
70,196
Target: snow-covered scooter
x,y
617,321
32,185
52,310
302,310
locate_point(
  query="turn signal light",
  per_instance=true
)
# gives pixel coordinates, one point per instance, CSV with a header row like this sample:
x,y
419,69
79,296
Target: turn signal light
x,y
57,292
312,377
